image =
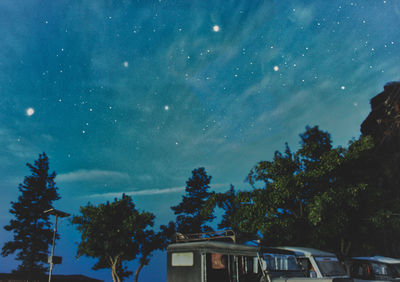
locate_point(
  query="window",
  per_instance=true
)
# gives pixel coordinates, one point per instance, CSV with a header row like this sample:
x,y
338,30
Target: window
x,y
219,267
182,259
330,266
279,262
361,270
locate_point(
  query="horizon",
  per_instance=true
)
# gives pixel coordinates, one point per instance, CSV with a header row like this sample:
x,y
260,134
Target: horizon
x,y
131,96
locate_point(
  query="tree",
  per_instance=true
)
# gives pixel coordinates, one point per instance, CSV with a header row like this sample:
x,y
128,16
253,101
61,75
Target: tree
x,y
277,210
316,196
115,233
191,214
31,227
230,203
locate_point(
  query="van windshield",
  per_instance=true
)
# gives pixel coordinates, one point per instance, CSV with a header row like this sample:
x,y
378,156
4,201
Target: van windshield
x,y
395,268
330,266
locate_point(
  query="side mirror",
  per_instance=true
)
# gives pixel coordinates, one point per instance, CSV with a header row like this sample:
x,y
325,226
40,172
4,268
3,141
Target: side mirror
x,y
264,265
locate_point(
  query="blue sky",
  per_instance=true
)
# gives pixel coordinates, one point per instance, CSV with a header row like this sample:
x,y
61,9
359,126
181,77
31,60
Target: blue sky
x,y
131,96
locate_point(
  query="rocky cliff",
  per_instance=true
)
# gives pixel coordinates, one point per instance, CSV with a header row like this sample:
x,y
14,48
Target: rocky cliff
x,y
383,123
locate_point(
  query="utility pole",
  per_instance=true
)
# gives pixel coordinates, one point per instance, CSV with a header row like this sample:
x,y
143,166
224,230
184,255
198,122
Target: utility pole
x,y
57,214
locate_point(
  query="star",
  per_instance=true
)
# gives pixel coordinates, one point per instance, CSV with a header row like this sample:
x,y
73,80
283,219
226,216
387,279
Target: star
x,y
216,28
276,68
126,64
166,107
30,112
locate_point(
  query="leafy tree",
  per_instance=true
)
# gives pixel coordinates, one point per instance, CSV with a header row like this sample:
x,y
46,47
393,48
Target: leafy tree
x,y
315,196
191,214
31,227
230,203
278,209
338,210
115,233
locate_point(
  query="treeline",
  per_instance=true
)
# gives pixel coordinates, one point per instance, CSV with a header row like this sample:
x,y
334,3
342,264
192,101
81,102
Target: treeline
x,y
339,199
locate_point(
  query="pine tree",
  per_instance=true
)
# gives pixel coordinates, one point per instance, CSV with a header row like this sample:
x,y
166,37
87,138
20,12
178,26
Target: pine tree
x,y
31,227
191,212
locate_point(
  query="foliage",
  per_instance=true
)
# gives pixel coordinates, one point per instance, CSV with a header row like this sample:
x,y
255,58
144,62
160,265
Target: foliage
x,y
230,203
313,197
191,214
115,233
31,227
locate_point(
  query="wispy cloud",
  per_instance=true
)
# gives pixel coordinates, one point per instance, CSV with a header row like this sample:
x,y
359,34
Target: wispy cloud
x,y
17,146
92,175
143,192
150,192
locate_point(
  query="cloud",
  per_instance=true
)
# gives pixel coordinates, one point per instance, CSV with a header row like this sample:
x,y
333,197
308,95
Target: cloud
x,y
92,175
16,146
150,192
143,192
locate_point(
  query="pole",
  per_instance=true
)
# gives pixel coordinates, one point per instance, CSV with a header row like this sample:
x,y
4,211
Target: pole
x,y
52,248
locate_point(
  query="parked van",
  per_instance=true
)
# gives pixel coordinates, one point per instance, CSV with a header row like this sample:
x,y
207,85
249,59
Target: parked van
x,y
317,263
208,257
375,268
211,261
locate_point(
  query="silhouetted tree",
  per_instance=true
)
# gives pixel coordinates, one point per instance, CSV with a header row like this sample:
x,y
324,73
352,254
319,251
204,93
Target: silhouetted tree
x,y
230,203
312,197
31,227
115,233
192,215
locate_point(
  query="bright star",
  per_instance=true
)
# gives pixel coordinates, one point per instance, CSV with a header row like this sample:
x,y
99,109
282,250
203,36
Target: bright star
x,y
126,64
276,68
343,87
216,28
30,111
166,107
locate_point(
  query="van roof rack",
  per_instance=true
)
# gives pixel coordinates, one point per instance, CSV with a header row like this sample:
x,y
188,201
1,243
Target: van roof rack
x,y
206,236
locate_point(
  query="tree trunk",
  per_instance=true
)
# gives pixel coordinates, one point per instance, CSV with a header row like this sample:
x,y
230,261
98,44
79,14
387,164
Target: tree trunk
x,y
114,273
344,249
138,271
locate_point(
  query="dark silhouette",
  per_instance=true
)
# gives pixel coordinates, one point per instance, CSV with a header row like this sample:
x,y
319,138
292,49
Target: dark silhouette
x,y
192,216
31,227
115,233
383,126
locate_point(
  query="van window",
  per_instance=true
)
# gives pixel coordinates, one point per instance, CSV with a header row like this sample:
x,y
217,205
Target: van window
x,y
219,267
361,270
182,259
330,266
280,262
305,265
218,261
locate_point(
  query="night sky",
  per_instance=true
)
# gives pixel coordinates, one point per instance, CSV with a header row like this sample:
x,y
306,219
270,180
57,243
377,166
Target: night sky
x,y
131,96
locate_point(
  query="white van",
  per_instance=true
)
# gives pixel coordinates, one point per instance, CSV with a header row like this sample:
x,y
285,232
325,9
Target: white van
x,y
317,263
375,268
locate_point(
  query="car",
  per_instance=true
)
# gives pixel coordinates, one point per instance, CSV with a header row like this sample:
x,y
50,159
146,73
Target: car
x,y
376,268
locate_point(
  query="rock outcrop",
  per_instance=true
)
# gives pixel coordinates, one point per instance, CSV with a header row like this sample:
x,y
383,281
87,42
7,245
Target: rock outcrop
x,y
383,123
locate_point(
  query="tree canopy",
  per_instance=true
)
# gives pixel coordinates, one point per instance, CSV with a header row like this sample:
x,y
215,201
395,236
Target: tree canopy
x,y
316,196
115,233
